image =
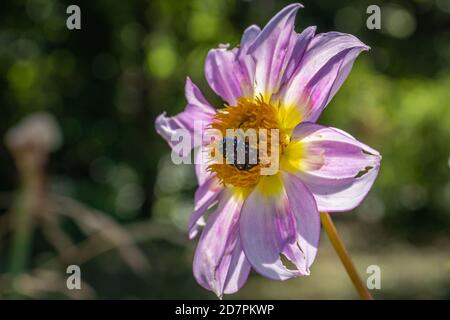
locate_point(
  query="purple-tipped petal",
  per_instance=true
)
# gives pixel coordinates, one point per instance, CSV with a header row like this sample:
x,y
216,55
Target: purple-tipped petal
x,y
198,110
272,51
206,196
285,225
337,169
322,70
219,263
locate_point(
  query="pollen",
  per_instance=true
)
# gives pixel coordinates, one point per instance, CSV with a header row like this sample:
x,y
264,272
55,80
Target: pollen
x,y
248,114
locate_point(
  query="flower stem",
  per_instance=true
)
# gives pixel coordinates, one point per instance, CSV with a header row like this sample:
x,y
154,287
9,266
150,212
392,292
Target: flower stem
x,y
343,254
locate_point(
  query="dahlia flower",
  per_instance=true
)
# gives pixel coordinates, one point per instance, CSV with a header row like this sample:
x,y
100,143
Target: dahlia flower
x,y
276,79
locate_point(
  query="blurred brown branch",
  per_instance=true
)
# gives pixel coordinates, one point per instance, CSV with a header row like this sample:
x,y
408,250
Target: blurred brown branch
x,y
34,207
105,235
39,282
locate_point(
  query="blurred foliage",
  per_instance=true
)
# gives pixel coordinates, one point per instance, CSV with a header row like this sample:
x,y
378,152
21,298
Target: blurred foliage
x,y
107,82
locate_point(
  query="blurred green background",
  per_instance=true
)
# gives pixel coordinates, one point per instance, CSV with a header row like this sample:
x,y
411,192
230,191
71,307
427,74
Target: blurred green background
x,y
109,198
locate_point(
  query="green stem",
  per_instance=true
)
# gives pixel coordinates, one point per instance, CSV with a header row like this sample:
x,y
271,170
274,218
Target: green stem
x,y
343,254
22,226
26,204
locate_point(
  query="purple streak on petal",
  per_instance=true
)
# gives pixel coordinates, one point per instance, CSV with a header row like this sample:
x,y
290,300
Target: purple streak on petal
x,y
339,169
195,98
221,69
219,264
304,208
230,73
206,196
197,109
246,72
302,41
322,70
239,270
346,67
272,50
248,37
268,230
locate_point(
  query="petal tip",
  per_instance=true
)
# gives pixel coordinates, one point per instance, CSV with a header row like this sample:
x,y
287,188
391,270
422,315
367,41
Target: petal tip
x,y
160,120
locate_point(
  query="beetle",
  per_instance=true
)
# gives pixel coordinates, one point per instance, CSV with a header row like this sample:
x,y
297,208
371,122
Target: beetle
x,y
231,155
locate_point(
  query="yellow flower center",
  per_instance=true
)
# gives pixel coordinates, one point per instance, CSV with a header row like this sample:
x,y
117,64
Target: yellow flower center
x,y
263,118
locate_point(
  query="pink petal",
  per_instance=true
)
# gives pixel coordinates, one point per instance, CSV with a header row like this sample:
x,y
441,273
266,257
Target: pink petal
x,y
338,169
219,262
302,41
221,69
272,50
230,73
238,270
206,196
246,61
197,109
286,225
304,207
201,165
321,72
